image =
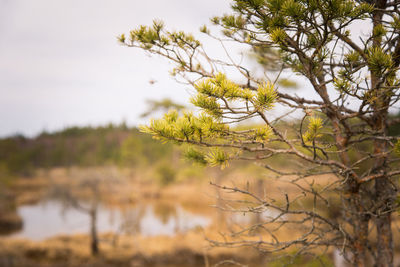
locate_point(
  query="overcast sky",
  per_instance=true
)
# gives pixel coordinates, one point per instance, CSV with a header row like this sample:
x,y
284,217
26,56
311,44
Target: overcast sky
x,y
60,63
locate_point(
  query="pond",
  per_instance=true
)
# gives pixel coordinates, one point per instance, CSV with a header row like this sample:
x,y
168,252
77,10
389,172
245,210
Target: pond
x,y
49,218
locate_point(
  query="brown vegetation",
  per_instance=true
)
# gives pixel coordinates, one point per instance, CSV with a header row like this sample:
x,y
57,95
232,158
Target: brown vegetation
x,y
189,248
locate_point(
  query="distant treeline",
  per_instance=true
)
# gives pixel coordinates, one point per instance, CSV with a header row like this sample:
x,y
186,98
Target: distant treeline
x,y
81,146
89,146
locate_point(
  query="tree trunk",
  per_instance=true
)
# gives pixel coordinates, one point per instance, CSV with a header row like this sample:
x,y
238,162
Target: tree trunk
x,y
359,219
360,256
94,245
385,197
385,192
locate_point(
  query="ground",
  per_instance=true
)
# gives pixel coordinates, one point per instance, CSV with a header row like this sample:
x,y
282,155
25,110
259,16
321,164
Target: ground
x,y
183,249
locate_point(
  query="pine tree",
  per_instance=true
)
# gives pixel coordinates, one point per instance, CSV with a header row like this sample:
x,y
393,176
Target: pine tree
x,y
343,132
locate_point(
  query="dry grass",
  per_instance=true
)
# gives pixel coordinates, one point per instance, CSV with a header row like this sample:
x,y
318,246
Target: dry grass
x,y
189,249
131,187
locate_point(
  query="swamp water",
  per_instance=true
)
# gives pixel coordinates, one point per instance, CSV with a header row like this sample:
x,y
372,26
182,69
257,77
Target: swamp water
x,y
49,218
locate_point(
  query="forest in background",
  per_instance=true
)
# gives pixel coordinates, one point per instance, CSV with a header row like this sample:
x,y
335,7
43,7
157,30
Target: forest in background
x,y
83,147
88,146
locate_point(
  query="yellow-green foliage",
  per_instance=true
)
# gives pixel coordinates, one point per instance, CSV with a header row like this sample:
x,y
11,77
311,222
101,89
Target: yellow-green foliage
x,y
155,35
352,57
211,90
314,129
217,157
378,60
278,36
220,87
263,134
208,104
208,124
266,97
342,84
379,31
185,128
214,95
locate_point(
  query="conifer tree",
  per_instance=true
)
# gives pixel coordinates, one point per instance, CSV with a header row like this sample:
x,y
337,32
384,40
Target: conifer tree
x,y
343,131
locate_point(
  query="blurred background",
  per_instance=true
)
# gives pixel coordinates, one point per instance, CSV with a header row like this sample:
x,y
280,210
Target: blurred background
x,y
79,184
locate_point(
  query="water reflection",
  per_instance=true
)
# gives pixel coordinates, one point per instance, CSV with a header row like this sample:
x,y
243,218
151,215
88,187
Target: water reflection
x,y
160,219
50,218
180,221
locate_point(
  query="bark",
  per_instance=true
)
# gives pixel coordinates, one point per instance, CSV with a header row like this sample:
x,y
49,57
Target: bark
x,y
94,244
359,219
384,190
383,199
360,257
383,222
